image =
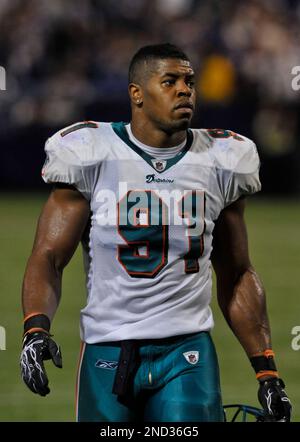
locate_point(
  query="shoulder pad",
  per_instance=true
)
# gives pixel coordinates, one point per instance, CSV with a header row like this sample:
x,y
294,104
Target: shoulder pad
x,y
76,144
232,151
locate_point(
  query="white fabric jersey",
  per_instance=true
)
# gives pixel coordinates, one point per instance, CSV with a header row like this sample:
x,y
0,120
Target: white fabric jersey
x,y
147,257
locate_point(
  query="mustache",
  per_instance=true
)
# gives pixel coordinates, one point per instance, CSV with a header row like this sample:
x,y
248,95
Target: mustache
x,y
186,103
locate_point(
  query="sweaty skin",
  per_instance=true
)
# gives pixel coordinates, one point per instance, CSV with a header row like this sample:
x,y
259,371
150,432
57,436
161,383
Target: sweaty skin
x,y
156,119
60,227
240,292
162,109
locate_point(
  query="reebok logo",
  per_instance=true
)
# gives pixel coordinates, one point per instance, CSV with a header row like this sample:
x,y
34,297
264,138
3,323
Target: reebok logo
x,y
107,365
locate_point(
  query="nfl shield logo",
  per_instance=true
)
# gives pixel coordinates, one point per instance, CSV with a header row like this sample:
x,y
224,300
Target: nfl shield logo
x,y
159,165
191,356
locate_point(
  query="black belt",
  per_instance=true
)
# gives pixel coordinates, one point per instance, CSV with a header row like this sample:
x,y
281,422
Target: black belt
x,y
127,367
129,361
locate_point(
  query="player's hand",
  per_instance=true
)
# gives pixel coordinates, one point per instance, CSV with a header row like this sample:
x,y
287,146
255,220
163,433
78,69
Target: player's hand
x,y
274,400
38,347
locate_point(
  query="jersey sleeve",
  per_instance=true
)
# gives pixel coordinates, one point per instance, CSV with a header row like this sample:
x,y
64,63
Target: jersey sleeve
x,y
236,162
70,158
244,178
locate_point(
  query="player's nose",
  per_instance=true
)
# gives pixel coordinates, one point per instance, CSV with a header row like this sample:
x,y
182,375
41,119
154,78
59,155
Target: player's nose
x,y
183,89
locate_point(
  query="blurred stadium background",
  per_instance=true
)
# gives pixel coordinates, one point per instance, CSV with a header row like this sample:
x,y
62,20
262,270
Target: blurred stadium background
x,y
67,60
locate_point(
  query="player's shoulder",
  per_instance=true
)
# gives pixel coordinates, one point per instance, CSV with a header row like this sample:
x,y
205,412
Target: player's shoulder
x,y
80,143
229,150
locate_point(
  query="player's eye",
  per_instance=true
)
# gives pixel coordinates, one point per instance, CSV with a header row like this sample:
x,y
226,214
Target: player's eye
x,y
190,83
169,82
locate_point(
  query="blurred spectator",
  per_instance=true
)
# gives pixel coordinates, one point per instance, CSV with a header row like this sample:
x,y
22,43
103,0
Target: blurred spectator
x,y
217,80
67,60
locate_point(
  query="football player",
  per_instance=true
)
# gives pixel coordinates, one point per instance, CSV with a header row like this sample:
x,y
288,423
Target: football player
x,y
154,204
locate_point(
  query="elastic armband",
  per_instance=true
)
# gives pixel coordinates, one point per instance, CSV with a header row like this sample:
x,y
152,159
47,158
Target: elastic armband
x,y
36,322
264,364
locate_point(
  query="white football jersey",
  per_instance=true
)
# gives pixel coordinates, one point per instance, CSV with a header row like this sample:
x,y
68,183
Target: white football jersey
x,y
147,257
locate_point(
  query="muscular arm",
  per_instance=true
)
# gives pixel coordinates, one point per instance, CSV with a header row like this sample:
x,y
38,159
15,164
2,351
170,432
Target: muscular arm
x,y
240,293
59,231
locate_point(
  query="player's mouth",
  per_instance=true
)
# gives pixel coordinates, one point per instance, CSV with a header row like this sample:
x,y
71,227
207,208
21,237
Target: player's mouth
x,y
185,107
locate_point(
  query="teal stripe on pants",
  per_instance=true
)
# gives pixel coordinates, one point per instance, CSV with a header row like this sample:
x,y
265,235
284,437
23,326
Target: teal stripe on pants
x,y
167,387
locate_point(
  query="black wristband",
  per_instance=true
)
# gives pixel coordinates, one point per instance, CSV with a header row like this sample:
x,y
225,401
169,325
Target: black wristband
x,y
37,321
263,363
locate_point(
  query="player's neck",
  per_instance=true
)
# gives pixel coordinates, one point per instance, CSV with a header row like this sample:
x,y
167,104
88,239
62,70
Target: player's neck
x,y
147,134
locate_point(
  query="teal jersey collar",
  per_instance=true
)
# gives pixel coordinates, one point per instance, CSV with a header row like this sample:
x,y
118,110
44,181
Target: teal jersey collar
x,y
120,130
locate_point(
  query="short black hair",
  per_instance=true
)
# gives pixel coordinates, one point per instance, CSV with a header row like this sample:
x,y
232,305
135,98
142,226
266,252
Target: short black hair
x,y
149,53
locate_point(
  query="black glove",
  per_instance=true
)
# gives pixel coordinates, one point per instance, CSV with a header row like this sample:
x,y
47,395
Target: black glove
x,y
274,400
37,347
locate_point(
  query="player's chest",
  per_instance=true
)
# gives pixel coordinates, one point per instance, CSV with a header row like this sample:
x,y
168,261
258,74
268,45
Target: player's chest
x,y
131,174
134,193
147,219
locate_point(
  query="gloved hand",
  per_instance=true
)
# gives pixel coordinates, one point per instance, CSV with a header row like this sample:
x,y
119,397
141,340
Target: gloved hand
x,y
274,400
37,347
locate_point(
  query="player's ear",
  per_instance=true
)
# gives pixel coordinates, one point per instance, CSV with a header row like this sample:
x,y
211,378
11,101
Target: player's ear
x,y
135,93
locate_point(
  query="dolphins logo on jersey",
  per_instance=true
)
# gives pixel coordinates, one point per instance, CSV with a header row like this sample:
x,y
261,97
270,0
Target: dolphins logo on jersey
x,y
151,177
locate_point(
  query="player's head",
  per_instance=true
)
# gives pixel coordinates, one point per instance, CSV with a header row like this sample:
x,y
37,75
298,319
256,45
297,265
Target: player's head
x,y
161,87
